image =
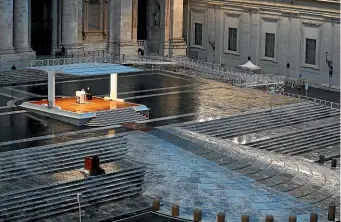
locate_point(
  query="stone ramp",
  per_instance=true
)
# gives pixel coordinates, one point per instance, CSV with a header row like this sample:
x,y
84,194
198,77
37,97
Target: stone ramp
x,y
116,117
124,180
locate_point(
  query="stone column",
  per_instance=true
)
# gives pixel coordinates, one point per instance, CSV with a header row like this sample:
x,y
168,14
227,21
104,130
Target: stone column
x,y
255,36
54,26
121,27
6,26
135,19
70,25
20,21
174,28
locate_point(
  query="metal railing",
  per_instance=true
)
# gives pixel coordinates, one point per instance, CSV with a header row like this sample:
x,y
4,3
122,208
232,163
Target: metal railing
x,y
330,104
191,67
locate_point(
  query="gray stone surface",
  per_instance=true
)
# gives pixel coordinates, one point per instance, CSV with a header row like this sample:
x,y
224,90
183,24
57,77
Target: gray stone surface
x,y
176,175
309,182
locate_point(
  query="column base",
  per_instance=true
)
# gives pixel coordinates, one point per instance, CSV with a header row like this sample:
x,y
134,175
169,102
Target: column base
x,y
23,49
126,48
7,51
20,60
177,47
71,48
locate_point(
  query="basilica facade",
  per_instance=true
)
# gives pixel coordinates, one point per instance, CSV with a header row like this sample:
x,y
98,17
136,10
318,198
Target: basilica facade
x,y
294,38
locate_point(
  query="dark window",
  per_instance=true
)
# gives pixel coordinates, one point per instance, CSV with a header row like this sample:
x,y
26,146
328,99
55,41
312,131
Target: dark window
x,y
270,45
232,39
310,51
198,34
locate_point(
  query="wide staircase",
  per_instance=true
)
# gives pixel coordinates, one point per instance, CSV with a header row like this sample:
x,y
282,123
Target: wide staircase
x,y
116,117
307,140
230,127
28,195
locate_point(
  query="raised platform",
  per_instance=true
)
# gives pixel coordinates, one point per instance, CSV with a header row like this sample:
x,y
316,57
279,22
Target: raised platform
x,y
94,105
67,110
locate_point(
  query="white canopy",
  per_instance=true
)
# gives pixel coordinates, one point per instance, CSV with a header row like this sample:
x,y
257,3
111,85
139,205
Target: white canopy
x,y
249,66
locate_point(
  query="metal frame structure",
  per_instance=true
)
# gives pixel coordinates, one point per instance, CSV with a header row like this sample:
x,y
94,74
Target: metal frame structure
x,y
191,67
330,104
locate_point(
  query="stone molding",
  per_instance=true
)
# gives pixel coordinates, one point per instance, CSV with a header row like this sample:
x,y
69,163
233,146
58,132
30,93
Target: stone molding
x,y
103,31
273,8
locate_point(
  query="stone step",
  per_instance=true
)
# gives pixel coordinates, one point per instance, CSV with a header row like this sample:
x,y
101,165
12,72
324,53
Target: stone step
x,y
115,117
40,163
29,203
295,138
247,129
244,117
47,210
30,195
263,118
58,148
307,141
46,201
60,154
300,134
315,146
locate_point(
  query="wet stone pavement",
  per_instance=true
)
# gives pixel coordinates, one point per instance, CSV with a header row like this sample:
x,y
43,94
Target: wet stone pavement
x,y
179,171
209,168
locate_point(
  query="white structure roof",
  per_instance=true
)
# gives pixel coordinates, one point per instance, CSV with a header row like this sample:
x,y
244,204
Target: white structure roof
x,y
84,69
249,66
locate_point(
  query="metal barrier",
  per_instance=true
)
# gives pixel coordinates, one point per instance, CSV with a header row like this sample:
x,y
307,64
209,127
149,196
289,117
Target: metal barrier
x,y
330,104
191,67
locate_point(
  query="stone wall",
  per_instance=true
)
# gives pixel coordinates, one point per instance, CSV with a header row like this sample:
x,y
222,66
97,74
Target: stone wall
x,y
291,26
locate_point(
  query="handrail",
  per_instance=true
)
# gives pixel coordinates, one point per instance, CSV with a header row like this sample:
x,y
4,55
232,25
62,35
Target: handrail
x,y
330,104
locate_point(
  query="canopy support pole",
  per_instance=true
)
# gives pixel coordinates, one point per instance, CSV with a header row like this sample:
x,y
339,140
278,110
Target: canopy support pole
x,y
51,88
113,86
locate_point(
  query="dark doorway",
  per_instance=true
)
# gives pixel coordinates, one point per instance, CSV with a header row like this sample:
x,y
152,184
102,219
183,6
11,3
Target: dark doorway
x,y
142,20
41,27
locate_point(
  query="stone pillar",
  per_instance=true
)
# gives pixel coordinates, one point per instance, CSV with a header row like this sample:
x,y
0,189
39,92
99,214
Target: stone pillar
x,y
6,26
121,27
20,21
70,25
255,35
29,23
173,26
135,19
54,26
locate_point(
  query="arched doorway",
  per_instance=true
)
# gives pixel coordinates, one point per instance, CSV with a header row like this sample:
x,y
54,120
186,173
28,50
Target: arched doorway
x,y
41,27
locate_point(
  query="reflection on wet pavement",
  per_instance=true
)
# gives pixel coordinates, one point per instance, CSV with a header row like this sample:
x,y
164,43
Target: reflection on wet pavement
x,y
177,176
4,100
207,172
101,86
